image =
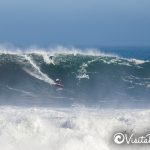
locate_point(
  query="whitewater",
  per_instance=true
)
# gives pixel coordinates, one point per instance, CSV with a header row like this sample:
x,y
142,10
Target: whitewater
x,y
103,93
64,129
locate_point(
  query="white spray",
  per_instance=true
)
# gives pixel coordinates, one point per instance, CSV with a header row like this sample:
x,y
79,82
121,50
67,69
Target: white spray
x,y
37,72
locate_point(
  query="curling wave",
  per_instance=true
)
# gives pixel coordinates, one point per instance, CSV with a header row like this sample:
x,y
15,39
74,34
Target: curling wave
x,y
88,77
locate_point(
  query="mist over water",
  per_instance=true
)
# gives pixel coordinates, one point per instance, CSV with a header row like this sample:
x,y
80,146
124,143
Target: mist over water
x,y
102,93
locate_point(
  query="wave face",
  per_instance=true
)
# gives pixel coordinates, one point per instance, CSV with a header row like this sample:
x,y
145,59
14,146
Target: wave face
x,y
88,78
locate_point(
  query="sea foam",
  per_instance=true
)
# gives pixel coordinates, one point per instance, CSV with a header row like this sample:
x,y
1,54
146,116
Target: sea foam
x,y
67,129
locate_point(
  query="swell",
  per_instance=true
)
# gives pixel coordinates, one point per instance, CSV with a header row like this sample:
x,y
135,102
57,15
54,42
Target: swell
x,y
86,78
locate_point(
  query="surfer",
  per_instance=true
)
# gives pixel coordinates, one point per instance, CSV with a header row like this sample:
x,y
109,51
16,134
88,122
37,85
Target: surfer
x,y
58,83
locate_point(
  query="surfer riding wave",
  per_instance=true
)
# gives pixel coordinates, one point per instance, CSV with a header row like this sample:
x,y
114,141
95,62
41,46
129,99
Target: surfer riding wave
x,y
58,83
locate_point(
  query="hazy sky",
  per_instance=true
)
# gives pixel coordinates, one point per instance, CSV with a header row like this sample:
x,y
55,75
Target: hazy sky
x,y
75,22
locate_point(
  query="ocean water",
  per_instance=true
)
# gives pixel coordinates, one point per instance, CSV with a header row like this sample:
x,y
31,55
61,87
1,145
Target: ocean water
x,y
105,90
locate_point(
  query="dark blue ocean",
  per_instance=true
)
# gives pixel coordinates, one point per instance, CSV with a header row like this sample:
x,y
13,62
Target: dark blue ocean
x,y
129,52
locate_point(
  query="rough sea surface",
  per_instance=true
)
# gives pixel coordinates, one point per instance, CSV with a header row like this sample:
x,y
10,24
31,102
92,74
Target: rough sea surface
x,y
104,92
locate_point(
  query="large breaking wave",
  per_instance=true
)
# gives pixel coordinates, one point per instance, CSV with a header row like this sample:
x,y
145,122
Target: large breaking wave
x,y
89,78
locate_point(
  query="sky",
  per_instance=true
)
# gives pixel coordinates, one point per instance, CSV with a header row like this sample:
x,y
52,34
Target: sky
x,y
75,22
